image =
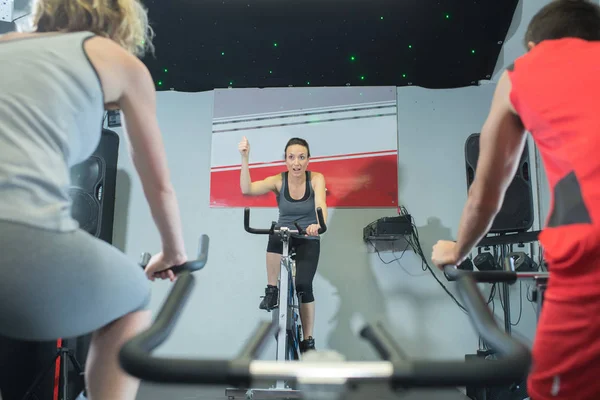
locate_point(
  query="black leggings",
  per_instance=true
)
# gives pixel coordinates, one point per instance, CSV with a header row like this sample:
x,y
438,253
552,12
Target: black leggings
x,y
307,258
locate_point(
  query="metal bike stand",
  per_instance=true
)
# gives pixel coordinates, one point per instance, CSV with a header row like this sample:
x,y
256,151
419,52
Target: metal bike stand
x,y
329,375
540,292
281,390
283,316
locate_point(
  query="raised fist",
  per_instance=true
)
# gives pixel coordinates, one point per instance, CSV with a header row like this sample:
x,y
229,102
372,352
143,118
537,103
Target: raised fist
x,y
244,147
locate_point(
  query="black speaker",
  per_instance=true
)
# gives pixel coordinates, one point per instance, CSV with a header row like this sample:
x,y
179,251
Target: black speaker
x,y
92,192
516,214
92,189
93,186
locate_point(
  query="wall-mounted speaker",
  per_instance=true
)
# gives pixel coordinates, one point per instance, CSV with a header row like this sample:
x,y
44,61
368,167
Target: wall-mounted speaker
x,y
93,187
516,214
92,192
93,184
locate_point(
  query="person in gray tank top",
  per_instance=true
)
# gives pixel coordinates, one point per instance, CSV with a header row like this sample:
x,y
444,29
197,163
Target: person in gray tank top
x,y
59,281
299,193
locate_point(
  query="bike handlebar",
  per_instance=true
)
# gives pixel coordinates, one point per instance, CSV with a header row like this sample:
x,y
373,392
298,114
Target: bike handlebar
x,y
513,363
190,266
453,274
272,230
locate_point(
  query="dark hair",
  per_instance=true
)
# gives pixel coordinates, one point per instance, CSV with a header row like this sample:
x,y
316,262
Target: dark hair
x,y
565,18
297,141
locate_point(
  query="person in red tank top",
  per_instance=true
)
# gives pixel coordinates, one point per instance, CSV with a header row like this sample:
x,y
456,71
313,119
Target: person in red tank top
x,y
552,92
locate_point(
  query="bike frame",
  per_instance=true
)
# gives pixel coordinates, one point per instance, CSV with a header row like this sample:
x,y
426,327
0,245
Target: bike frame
x,y
506,276
328,376
287,313
294,324
286,316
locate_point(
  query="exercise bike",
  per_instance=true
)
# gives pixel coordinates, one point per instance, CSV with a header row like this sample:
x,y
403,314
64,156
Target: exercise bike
x,y
327,379
507,275
286,316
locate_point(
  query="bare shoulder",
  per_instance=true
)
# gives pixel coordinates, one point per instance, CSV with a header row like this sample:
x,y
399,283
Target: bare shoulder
x,y
317,180
276,181
317,177
117,68
104,49
503,91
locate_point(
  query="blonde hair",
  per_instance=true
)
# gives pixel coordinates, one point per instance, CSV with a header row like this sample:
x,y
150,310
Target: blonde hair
x,y
124,21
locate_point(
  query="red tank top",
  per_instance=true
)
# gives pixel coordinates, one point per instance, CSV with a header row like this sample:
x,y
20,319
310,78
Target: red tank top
x,y
556,92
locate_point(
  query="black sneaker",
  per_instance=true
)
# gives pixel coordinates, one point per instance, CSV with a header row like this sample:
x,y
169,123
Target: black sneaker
x,y
270,299
307,344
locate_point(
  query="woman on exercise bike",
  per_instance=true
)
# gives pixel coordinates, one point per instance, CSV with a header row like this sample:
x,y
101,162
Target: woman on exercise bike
x,y
299,193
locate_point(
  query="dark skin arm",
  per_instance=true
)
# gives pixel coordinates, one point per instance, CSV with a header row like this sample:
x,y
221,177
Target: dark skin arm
x,y
501,144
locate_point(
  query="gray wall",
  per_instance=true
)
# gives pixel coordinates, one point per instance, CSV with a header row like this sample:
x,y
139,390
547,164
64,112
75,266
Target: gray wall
x,y
352,282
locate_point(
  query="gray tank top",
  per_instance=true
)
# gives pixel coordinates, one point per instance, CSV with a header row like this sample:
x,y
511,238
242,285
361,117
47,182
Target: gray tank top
x,y
301,211
51,110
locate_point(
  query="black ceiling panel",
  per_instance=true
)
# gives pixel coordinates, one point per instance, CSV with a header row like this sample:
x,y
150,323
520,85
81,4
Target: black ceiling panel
x,y
209,44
